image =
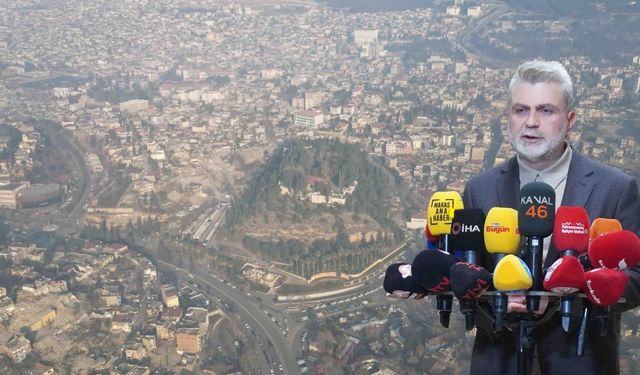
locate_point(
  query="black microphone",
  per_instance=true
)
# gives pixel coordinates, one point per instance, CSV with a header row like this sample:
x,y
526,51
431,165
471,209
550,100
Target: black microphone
x,y
399,282
468,282
467,236
431,270
466,233
536,215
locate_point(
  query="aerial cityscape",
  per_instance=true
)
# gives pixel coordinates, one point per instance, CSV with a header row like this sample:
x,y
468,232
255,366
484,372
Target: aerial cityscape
x,y
217,186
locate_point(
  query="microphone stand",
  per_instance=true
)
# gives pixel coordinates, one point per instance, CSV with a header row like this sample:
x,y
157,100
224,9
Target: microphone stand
x,y
468,308
582,330
444,303
534,262
524,343
499,301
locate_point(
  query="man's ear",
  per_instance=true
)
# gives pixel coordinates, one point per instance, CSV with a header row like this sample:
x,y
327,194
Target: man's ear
x,y
571,119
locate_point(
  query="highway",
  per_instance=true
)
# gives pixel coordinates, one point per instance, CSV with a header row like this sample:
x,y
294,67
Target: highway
x,y
250,312
496,11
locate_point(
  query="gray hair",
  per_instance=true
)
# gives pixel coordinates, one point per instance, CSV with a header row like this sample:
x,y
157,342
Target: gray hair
x,y
539,71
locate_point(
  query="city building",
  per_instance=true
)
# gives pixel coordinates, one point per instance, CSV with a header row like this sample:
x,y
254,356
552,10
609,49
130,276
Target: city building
x,y
9,194
308,119
17,348
365,36
188,340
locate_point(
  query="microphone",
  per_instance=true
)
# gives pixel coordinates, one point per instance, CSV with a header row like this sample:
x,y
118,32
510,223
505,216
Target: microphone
x,y
432,241
599,227
501,237
467,238
605,286
571,230
431,270
618,250
512,274
536,215
468,282
565,276
602,226
570,238
399,282
440,213
466,233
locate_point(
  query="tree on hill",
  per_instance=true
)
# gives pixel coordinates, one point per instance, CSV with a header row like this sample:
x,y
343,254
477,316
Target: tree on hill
x,y
326,167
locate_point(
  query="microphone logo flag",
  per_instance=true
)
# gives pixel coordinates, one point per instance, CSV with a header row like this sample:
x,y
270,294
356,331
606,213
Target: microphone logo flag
x,y
573,228
441,209
497,228
542,200
457,228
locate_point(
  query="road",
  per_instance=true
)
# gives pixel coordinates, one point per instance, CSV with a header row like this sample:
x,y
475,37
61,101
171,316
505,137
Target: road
x,y
250,312
463,40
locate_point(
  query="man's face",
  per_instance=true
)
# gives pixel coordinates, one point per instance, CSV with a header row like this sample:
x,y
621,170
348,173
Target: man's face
x,y
539,122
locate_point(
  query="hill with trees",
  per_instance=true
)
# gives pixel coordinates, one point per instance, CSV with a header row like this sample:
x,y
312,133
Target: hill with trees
x,y
318,206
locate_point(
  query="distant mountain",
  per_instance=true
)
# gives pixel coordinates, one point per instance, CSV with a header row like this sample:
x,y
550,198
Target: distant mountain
x,y
318,198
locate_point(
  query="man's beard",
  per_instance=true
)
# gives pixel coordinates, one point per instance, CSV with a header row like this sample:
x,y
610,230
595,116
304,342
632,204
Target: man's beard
x,y
538,152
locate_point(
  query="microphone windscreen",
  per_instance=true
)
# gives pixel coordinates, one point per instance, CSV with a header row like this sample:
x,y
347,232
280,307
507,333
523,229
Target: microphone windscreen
x,y
512,274
565,276
431,270
466,229
619,250
537,209
501,235
601,226
399,276
571,229
605,286
469,281
440,211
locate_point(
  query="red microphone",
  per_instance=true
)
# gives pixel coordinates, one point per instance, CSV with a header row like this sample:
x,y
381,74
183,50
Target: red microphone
x,y
566,275
571,230
432,240
605,286
619,250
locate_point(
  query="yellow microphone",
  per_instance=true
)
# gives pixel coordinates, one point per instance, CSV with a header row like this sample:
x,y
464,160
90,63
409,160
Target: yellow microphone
x,y
512,274
501,238
501,234
440,213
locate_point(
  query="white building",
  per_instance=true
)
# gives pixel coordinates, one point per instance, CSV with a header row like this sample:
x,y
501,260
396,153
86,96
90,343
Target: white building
x,y
308,118
362,36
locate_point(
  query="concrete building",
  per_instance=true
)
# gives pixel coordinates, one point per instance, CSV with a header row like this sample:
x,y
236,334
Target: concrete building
x,y
133,106
308,119
170,296
9,194
94,163
363,36
17,348
312,99
188,340
39,195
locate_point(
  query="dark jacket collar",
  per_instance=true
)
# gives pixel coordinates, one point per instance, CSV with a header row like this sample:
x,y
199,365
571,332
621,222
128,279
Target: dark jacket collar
x,y
577,190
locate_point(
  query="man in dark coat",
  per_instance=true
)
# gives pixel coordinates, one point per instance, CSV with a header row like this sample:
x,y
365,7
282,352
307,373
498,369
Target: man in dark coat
x,y
540,117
